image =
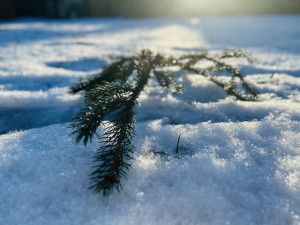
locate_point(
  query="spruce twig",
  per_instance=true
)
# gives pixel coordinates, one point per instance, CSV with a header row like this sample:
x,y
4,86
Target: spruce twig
x,y
119,70
117,150
111,97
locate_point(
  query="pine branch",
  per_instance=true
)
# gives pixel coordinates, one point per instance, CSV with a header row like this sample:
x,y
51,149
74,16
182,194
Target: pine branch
x,y
219,66
113,156
112,95
236,53
100,102
166,80
222,66
119,70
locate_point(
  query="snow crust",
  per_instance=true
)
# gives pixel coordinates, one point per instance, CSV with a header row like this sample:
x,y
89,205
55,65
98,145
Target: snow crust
x,y
239,162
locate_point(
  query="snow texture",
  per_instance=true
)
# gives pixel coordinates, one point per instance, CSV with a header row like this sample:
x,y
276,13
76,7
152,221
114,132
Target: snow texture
x,y
238,162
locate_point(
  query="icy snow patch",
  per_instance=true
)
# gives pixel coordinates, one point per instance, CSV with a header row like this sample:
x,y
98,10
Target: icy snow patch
x,y
235,173
238,161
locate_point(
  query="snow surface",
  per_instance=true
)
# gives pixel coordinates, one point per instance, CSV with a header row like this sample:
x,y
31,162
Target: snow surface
x,y
239,162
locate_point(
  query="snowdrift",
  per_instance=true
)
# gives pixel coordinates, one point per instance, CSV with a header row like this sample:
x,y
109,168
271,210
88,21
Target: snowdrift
x,y
238,162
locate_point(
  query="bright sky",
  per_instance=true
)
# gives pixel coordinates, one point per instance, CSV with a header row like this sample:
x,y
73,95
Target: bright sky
x,y
207,7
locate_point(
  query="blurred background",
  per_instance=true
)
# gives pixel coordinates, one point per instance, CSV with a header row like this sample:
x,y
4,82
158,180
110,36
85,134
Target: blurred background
x,y
143,8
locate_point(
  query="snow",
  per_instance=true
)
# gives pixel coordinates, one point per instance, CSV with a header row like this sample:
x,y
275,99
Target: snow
x,y
238,162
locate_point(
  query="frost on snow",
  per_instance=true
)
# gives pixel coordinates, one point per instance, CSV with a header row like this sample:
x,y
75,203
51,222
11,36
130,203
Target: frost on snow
x,y
238,162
